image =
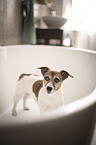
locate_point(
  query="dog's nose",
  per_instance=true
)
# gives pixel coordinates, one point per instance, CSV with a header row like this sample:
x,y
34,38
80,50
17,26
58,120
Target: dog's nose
x,y
49,89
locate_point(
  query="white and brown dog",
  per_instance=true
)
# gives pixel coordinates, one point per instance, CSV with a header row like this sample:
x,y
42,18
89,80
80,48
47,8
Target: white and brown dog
x,y
47,91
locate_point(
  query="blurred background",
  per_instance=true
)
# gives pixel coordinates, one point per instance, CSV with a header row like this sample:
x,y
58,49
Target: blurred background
x,y
69,23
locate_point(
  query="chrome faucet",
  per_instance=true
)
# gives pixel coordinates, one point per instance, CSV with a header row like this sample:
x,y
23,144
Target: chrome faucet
x,y
53,11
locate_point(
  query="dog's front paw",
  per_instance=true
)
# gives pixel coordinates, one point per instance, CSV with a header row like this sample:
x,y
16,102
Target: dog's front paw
x,y
14,113
26,108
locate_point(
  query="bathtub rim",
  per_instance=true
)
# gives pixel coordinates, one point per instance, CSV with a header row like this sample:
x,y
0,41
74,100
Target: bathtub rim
x,y
49,46
72,107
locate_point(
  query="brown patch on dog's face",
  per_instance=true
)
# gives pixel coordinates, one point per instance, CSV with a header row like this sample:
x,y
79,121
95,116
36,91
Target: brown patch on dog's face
x,y
57,79
54,78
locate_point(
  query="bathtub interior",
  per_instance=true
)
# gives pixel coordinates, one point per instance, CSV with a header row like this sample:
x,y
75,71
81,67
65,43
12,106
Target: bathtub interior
x,y
15,60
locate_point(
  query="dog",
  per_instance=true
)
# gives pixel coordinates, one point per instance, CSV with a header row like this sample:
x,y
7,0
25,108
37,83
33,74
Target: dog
x,y
46,90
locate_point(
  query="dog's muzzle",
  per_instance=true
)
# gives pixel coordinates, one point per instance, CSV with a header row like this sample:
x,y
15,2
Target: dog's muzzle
x,y
49,90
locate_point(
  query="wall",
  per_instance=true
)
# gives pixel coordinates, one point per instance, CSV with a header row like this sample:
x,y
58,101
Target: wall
x,y
10,22
82,24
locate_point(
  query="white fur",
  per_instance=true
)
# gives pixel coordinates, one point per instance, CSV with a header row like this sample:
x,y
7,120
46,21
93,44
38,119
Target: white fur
x,y
49,102
46,101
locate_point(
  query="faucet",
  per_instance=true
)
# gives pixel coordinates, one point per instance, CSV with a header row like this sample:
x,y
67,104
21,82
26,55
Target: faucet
x,y
53,11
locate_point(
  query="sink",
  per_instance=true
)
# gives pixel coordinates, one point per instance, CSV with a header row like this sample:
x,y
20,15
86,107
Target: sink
x,y
54,21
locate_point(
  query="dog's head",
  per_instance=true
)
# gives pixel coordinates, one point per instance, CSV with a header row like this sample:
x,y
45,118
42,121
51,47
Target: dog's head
x,y
53,79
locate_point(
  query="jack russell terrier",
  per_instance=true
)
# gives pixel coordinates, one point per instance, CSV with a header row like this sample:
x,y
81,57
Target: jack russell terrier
x,y
47,91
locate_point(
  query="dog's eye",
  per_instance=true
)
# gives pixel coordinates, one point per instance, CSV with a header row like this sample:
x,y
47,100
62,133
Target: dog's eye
x,y
56,80
47,78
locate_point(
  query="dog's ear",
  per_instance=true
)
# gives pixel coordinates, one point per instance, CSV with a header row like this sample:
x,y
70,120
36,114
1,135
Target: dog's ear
x,y
44,70
65,75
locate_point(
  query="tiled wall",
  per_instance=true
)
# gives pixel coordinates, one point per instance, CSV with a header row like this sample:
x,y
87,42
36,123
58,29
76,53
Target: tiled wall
x,y
10,22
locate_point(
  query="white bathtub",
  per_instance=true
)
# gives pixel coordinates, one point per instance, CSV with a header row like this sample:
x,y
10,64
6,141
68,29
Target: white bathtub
x,y
73,123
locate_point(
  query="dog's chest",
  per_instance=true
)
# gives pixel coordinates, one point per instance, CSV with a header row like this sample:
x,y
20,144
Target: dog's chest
x,y
49,102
